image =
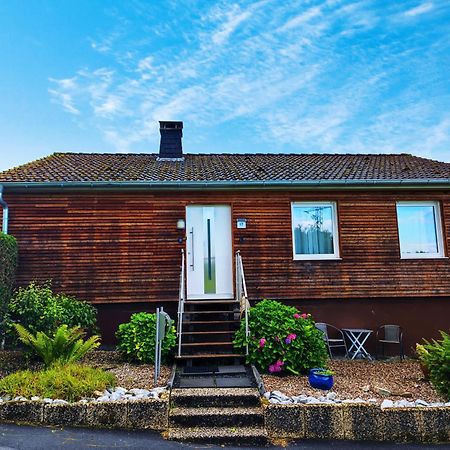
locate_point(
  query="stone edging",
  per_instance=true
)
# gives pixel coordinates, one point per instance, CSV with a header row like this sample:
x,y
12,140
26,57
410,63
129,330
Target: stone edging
x,y
351,421
138,414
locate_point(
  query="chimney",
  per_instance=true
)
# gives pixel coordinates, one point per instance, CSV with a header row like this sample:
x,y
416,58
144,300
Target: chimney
x,y
171,134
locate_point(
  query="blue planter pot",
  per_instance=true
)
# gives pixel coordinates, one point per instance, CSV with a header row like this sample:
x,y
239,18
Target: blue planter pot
x,y
317,381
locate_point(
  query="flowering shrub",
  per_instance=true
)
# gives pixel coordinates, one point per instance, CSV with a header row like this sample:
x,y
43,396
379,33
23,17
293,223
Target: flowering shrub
x,y
281,339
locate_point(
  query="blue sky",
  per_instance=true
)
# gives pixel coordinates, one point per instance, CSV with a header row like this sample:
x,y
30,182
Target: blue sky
x,y
244,76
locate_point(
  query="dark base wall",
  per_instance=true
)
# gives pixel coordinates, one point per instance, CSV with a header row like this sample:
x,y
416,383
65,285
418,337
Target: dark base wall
x,y
111,315
419,317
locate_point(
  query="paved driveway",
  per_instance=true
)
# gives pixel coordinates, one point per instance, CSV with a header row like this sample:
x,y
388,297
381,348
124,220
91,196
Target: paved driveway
x,y
47,438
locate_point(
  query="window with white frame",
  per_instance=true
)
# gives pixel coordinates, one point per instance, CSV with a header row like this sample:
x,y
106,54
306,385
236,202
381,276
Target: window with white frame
x,y
420,230
314,230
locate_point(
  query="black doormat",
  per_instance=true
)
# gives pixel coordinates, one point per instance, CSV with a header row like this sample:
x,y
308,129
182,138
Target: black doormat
x,y
221,377
200,369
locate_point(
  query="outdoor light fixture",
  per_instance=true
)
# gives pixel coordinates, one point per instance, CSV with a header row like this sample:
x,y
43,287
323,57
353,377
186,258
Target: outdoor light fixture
x,y
181,224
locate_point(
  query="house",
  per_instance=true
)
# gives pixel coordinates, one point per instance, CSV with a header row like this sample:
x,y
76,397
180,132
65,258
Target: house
x,y
358,240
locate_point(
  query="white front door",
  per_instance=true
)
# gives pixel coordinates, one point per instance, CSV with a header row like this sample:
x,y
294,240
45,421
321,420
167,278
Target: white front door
x,y
209,255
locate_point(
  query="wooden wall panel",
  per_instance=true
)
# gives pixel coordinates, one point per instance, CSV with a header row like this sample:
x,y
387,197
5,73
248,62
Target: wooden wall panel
x,y
122,247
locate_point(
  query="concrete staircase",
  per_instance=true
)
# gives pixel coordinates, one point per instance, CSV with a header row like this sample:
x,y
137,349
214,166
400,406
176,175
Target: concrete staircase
x,y
219,416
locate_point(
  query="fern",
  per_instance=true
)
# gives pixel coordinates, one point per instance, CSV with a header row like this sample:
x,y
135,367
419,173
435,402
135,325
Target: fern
x,y
65,346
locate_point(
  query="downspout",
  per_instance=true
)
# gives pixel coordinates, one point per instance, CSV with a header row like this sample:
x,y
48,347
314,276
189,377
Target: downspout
x,y
5,211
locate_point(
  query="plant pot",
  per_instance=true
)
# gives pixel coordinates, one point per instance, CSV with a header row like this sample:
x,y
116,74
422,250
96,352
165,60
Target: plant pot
x,y
319,381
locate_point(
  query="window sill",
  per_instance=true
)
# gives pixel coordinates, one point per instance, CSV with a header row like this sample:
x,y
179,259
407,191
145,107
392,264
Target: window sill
x,y
405,258
325,258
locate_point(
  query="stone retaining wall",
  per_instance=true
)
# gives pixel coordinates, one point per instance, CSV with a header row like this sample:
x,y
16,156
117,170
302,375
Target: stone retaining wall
x,y
151,414
354,421
350,421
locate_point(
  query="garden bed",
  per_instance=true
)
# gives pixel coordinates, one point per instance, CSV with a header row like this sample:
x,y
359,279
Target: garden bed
x,y
360,379
128,375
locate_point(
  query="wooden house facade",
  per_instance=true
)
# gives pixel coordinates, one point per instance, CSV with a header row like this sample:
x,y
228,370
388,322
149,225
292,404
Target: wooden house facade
x,y
356,240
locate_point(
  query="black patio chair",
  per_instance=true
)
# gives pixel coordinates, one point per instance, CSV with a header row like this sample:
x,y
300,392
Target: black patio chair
x,y
389,334
333,337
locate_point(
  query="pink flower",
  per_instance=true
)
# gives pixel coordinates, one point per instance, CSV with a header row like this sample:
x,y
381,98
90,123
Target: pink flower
x,y
262,342
296,316
304,316
290,338
277,338
276,366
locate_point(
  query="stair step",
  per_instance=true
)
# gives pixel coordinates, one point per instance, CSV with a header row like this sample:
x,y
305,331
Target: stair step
x,y
206,322
224,435
213,397
217,417
207,332
210,302
205,344
209,312
210,355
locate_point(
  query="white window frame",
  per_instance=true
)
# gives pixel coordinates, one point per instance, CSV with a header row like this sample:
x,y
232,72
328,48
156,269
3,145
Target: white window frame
x,y
335,254
438,227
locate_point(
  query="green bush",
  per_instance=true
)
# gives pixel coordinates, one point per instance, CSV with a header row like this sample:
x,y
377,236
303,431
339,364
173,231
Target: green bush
x,y
137,338
71,382
8,267
281,339
38,308
435,356
65,346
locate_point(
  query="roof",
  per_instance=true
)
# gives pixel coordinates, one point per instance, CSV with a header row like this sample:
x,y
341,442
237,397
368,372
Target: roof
x,y
240,169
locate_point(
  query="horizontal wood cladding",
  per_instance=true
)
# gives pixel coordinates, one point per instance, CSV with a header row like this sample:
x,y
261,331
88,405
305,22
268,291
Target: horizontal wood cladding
x,y
123,247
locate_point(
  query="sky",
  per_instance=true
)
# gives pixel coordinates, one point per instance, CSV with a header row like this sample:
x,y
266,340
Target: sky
x,y
308,76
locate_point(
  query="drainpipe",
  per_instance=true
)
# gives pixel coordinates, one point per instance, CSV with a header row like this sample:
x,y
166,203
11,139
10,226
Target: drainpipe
x,y
5,211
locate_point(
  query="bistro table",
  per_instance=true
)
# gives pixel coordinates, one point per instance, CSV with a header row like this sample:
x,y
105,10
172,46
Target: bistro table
x,y
357,338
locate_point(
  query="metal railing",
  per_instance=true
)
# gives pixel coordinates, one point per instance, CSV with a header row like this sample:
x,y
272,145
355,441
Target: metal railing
x,y
241,294
181,300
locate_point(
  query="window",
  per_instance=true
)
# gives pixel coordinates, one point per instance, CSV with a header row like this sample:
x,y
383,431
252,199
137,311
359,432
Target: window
x,y
314,230
419,230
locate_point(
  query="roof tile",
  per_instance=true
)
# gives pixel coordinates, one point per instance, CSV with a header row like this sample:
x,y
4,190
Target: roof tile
x,y
93,167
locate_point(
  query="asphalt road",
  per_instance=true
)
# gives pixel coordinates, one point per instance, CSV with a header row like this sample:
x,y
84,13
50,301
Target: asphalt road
x,y
48,438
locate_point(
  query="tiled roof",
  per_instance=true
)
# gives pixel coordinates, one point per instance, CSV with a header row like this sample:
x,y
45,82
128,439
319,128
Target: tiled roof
x,y
97,167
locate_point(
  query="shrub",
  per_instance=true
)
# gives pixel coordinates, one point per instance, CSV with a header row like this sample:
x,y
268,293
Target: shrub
x,y
435,356
281,339
137,338
70,382
8,267
65,346
38,308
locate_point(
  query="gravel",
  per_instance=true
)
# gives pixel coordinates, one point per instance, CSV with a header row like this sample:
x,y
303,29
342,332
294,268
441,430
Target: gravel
x,y
360,379
128,375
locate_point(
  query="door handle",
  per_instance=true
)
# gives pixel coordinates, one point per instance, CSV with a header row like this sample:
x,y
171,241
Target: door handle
x,y
192,248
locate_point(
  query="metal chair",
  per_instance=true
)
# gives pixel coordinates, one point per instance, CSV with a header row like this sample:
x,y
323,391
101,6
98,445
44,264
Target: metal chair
x,y
332,342
390,334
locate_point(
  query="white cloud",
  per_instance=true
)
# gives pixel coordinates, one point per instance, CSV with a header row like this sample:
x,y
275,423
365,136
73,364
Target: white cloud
x,y
308,76
418,10
234,19
301,19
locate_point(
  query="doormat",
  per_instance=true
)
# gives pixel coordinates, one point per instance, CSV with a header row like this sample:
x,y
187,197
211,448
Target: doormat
x,y
201,369
214,377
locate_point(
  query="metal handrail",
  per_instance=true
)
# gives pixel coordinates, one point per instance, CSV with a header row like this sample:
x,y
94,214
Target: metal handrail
x,y
241,294
181,300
